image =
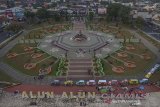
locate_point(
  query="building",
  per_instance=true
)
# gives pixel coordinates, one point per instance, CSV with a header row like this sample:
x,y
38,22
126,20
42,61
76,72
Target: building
x,y
102,10
144,14
15,12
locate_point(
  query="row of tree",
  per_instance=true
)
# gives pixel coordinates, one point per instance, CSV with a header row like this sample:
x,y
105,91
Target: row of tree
x,y
121,14
41,15
116,12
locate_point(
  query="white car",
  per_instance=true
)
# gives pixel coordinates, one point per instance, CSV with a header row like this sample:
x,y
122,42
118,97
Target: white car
x,y
102,82
154,68
91,82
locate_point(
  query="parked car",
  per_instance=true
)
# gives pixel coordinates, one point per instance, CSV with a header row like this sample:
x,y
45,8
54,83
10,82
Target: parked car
x,y
80,83
55,83
102,82
91,82
148,75
133,81
113,82
143,81
155,68
68,83
124,82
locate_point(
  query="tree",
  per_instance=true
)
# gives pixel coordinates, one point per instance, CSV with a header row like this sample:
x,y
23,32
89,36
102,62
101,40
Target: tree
x,y
90,15
57,17
124,14
104,3
124,40
139,22
14,27
118,13
30,16
42,13
54,4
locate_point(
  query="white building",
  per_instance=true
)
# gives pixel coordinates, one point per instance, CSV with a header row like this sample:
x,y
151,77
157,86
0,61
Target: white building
x,y
102,10
128,4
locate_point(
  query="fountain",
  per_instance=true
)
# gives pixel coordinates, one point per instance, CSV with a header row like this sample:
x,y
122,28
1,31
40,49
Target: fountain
x,y
79,37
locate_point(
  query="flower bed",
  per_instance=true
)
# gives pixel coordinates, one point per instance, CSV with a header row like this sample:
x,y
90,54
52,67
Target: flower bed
x,y
12,55
130,47
118,69
145,56
28,48
122,54
130,64
99,67
61,67
29,66
45,71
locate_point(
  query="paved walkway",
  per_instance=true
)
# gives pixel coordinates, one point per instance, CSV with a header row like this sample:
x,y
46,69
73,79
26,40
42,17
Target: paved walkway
x,y
77,26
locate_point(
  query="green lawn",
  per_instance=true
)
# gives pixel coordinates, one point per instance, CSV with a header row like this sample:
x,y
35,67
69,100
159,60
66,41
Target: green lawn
x,y
19,61
141,64
35,34
119,33
42,32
